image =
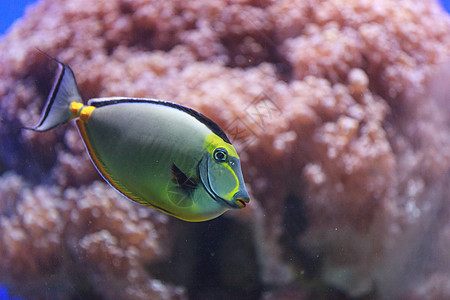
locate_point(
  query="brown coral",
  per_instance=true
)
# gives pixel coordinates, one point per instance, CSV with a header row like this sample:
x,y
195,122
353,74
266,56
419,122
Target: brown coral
x,y
88,236
336,107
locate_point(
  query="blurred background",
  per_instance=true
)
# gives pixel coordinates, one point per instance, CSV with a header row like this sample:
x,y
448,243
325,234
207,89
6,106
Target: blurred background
x,y
14,9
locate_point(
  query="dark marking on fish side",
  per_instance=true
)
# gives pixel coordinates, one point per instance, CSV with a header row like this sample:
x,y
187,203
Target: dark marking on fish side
x,y
187,185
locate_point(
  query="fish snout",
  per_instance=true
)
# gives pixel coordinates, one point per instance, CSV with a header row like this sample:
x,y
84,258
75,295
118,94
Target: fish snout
x,y
241,199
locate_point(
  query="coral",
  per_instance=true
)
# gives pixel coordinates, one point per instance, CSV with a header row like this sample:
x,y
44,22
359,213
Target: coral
x,y
86,239
339,110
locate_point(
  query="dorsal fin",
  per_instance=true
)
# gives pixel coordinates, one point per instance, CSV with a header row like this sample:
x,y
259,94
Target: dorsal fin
x,y
200,117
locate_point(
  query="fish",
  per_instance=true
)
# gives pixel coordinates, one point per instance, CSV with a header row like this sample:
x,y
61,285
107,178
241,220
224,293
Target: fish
x,y
154,152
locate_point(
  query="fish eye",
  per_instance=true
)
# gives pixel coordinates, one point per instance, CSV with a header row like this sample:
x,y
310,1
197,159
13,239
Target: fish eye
x,y
220,154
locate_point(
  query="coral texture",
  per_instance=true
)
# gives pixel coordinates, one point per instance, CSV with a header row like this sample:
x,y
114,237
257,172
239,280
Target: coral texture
x,y
339,110
81,238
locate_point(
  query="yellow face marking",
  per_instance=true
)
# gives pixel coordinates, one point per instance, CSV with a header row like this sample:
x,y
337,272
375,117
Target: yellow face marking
x,y
213,141
236,189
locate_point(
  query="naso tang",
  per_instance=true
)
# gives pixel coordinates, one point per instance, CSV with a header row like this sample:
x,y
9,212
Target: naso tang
x,y
157,153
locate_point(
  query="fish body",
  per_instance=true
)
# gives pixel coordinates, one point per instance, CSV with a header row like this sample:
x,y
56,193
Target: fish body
x,y
157,153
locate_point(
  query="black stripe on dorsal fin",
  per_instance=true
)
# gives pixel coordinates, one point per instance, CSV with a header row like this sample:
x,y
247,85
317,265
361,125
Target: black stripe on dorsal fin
x,y
200,117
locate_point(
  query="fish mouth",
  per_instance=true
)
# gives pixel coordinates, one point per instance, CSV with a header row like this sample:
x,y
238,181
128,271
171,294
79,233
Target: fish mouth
x,y
242,202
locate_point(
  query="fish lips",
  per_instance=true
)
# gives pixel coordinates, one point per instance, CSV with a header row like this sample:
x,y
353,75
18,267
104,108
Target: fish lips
x,y
240,198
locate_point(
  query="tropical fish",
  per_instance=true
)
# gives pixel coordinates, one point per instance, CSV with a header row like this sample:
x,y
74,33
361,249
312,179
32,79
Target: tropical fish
x,y
157,153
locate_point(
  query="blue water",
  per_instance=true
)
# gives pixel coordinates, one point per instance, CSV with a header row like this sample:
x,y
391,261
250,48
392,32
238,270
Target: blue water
x,y
4,295
10,11
446,4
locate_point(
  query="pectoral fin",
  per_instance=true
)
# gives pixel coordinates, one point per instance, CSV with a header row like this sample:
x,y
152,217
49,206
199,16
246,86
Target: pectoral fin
x,y
180,179
181,188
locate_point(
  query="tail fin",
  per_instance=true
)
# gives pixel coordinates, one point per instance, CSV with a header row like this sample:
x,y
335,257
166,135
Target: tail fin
x,y
64,92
